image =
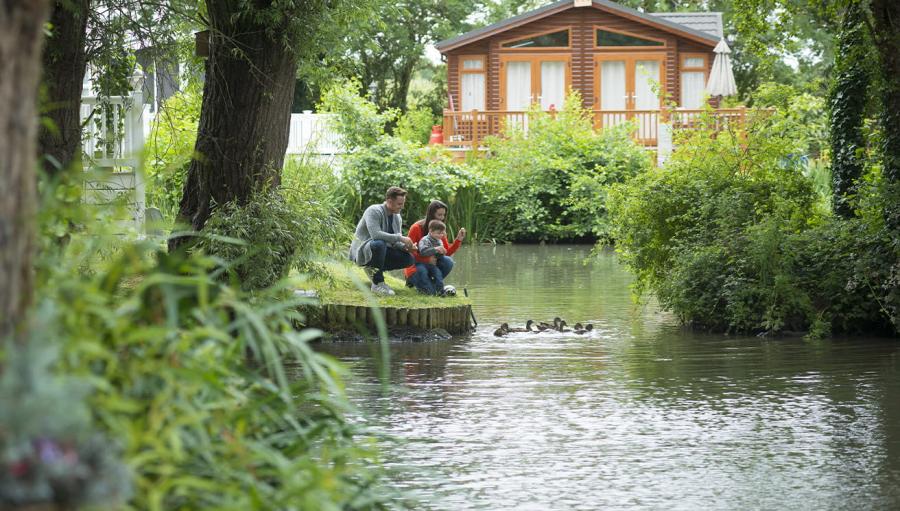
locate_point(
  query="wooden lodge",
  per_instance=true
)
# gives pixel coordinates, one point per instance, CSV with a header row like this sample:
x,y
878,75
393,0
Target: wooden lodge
x,y
614,56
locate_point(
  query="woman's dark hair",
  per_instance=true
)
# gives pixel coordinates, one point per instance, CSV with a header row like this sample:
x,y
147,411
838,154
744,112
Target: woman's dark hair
x,y
430,213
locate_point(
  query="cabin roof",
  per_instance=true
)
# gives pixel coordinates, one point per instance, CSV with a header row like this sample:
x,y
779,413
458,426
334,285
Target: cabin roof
x,y
703,27
707,22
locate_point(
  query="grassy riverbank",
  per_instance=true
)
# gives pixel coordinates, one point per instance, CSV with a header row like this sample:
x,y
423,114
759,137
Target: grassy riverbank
x,y
346,284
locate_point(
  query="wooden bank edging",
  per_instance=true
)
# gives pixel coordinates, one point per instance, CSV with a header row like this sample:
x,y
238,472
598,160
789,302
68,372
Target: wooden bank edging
x,y
456,319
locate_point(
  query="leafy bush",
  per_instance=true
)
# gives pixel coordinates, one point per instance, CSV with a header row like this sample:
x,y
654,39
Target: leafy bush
x,y
170,148
415,126
427,173
729,237
189,375
275,230
356,118
551,182
50,452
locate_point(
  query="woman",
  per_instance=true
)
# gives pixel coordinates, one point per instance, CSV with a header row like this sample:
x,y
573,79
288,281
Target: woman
x,y
416,275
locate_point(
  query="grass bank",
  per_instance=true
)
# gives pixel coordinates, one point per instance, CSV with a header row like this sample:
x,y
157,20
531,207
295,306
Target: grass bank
x,y
346,284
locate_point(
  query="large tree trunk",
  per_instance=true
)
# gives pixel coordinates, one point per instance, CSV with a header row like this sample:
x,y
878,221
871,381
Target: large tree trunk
x,y
64,59
886,29
244,117
886,32
21,33
848,108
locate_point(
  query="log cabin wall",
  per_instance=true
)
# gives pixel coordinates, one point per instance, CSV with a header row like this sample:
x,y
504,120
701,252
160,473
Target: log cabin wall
x,y
581,22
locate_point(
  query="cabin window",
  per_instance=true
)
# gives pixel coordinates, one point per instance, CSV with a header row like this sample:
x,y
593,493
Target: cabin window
x,y
552,40
693,81
472,83
607,38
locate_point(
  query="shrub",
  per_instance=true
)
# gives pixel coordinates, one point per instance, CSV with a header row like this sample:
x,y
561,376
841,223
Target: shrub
x,y
261,240
356,118
415,126
189,375
729,237
427,173
550,183
170,147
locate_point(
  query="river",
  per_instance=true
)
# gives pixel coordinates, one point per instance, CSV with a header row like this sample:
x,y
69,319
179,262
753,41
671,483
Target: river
x,y
639,414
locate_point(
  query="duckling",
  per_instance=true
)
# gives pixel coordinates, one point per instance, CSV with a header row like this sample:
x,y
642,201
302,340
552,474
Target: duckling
x,y
503,330
577,326
526,329
579,329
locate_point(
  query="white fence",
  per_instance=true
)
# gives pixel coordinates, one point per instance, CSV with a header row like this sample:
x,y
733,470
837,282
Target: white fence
x,y
312,135
112,141
114,134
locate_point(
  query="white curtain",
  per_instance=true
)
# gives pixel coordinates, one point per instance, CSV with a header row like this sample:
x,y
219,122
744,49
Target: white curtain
x,y
646,76
612,85
518,85
692,89
553,84
472,92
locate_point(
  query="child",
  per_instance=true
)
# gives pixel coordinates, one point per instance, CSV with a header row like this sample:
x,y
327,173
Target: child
x,y
431,245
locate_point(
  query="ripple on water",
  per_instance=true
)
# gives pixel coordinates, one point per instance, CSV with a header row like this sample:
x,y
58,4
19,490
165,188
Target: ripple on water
x,y
640,414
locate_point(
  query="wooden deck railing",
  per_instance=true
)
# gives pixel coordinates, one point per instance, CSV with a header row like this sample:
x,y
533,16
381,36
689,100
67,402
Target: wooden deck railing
x,y
468,129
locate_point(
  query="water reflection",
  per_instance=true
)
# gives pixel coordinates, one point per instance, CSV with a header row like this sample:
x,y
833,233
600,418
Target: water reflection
x,y
640,414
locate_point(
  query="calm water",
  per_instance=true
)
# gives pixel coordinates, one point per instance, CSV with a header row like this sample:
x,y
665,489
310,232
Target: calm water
x,y
639,415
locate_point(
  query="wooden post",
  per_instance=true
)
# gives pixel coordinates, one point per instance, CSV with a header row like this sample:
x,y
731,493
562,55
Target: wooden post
x,y
402,317
390,316
475,130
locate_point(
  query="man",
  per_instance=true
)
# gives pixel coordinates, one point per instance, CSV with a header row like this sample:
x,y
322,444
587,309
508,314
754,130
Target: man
x,y
379,244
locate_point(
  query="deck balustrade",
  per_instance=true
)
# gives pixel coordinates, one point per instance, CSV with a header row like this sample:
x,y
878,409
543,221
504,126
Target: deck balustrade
x,y
468,129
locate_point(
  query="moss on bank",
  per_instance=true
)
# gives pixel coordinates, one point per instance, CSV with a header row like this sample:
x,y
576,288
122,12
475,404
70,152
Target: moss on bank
x,y
346,284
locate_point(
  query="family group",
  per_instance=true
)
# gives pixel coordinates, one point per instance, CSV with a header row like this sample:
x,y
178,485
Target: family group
x,y
424,253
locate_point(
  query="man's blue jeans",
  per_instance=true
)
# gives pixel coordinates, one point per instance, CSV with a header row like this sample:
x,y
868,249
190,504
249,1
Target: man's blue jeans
x,y
385,258
425,283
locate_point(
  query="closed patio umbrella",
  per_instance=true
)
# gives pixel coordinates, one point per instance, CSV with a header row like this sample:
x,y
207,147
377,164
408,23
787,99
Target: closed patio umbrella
x,y
721,79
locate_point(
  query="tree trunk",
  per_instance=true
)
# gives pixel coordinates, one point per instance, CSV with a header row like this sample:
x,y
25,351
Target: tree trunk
x,y
848,108
886,33
64,59
244,117
21,34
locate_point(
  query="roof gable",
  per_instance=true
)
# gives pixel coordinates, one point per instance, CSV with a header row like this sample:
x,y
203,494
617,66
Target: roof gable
x,y
705,28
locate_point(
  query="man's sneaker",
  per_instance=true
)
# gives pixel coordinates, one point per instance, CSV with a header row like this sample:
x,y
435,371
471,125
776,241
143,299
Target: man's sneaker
x,y
382,289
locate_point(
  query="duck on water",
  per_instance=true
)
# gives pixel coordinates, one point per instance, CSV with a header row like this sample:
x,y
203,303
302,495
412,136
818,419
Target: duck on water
x,y
558,325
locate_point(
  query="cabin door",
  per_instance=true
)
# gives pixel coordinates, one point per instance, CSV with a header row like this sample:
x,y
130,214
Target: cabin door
x,y
529,79
627,87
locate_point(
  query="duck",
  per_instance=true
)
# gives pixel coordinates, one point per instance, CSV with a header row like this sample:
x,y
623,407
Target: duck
x,y
581,330
526,329
503,330
561,326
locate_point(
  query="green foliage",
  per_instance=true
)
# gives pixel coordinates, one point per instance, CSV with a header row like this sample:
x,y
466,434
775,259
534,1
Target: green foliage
x,y
728,237
170,148
49,451
848,106
218,402
356,119
679,227
803,114
415,126
551,183
261,240
427,173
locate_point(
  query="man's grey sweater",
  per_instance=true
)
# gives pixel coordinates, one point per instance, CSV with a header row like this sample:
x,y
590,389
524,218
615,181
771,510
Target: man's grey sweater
x,y
374,226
